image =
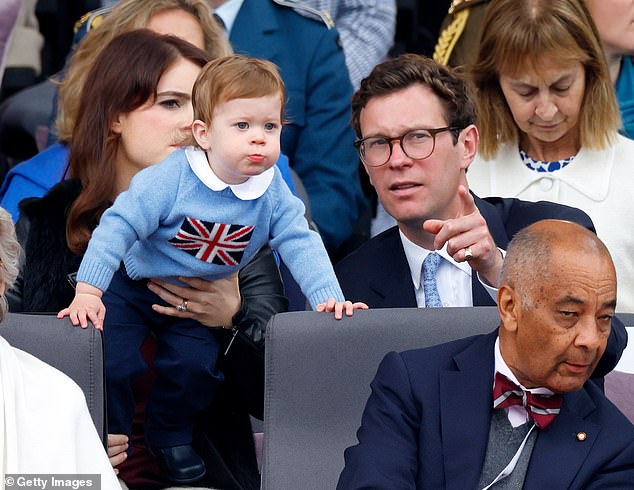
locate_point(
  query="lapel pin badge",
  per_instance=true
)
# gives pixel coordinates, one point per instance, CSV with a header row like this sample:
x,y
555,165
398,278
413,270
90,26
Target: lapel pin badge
x,y
581,436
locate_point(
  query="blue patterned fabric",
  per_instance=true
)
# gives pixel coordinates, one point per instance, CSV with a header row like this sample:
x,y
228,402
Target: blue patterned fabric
x,y
430,287
539,166
366,30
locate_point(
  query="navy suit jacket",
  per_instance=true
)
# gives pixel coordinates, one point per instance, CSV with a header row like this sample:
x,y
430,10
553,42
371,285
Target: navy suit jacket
x,y
426,425
318,139
378,272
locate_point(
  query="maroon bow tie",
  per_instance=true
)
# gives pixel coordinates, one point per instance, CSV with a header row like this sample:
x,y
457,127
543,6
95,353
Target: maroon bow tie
x,y
542,409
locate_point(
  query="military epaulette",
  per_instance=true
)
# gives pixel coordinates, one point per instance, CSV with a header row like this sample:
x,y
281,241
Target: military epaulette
x,y
459,10
91,19
312,12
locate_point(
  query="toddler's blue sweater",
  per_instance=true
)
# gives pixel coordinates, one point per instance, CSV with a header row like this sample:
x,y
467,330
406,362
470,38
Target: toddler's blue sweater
x,y
169,223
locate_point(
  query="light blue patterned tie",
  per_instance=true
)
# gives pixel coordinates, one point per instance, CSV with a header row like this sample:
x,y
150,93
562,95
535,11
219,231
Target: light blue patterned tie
x,y
430,266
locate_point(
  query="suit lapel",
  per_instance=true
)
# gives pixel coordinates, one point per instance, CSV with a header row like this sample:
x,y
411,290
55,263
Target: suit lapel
x,y
465,408
392,281
560,443
251,30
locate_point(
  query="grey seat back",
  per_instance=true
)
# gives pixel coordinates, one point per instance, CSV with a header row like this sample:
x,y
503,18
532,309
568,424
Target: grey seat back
x,y
318,374
75,351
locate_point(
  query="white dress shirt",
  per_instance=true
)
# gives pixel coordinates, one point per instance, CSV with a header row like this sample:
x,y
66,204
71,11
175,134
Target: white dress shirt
x,y
228,12
453,278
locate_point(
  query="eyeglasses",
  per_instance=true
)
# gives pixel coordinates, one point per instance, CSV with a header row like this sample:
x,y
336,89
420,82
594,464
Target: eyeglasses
x,y
417,144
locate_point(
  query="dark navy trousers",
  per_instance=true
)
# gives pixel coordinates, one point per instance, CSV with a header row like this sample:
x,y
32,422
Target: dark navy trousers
x,y
185,364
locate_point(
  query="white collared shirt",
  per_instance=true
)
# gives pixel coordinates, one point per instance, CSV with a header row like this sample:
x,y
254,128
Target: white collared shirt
x,y
453,278
251,189
228,12
517,415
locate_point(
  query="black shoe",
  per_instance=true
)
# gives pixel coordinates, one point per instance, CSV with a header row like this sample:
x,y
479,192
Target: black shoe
x,y
181,464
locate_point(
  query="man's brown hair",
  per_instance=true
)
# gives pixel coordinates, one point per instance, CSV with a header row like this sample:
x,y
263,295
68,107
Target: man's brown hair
x,y
410,69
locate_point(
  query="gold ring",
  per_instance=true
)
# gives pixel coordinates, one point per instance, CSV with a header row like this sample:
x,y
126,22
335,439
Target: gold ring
x,y
468,254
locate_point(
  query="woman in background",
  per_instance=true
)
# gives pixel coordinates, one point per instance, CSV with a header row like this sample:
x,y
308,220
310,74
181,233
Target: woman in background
x,y
548,118
615,24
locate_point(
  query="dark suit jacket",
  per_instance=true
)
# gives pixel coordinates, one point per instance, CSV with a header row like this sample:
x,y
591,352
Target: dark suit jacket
x,y
427,421
378,273
318,139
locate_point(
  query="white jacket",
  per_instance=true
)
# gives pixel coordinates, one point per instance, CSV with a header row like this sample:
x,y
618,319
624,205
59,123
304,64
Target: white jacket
x,y
599,182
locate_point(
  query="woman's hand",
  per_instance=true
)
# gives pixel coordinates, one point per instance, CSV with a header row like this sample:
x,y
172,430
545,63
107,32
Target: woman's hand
x,y
117,447
212,303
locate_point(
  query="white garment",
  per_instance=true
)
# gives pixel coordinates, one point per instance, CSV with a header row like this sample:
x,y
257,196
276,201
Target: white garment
x,y
228,12
45,426
598,182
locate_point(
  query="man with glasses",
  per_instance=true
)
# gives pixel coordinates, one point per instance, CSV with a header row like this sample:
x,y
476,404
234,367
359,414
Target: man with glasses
x,y
417,137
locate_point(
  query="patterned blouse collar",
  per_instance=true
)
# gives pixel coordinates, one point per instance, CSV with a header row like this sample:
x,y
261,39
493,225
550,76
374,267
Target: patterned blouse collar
x,y
540,166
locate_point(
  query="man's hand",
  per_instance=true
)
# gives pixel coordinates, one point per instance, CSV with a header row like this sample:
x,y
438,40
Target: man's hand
x,y
86,305
468,230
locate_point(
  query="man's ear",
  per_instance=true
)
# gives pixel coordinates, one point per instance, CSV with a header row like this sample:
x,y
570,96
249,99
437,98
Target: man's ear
x,y
200,131
509,304
469,139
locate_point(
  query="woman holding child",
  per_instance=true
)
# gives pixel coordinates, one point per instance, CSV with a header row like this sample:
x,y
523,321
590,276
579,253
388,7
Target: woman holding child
x,y
144,111
200,212
549,120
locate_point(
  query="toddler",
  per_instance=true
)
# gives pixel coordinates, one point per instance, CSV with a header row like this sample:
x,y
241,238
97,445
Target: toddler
x,y
201,212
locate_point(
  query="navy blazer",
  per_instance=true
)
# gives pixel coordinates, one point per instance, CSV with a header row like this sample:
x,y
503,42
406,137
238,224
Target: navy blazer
x,y
378,272
318,139
426,425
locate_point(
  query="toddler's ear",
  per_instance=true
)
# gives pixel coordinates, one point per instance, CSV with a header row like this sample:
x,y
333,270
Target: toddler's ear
x,y
200,133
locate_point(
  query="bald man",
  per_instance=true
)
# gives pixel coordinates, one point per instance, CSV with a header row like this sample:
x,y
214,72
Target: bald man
x,y
436,419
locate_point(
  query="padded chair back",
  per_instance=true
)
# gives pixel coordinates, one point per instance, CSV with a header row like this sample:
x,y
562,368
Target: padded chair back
x,y
75,351
318,374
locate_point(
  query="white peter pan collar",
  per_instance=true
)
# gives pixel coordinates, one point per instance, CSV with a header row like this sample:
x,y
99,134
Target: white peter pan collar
x,y
589,173
253,188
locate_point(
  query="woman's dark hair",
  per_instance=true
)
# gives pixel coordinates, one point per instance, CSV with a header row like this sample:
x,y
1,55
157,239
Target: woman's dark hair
x,y
124,77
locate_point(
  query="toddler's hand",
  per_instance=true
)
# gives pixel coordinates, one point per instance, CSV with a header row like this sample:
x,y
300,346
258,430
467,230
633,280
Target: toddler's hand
x,y
339,307
86,305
